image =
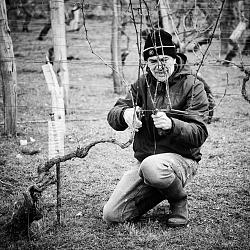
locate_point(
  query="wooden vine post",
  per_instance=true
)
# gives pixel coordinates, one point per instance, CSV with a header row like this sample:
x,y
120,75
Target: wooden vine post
x,y
59,44
116,49
8,74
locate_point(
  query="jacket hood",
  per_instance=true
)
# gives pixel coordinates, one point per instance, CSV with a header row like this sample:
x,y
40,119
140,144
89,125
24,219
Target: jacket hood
x,y
181,67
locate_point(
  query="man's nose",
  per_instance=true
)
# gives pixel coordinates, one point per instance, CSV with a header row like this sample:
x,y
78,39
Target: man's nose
x,y
160,66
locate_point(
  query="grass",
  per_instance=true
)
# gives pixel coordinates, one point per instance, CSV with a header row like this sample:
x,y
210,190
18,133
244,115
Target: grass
x,y
218,196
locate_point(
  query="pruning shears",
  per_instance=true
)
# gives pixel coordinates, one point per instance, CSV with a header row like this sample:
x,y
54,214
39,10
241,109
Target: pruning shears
x,y
140,113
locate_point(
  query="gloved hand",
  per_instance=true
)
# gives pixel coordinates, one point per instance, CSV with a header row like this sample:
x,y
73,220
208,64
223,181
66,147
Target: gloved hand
x,y
162,121
131,118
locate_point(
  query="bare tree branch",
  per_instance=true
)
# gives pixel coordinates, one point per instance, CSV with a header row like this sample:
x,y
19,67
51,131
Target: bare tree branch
x,y
210,42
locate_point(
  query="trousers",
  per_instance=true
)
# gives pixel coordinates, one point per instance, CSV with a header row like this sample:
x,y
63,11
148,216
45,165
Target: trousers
x,y
139,189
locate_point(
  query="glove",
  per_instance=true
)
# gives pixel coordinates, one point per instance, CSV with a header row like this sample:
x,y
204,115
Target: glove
x,y
131,118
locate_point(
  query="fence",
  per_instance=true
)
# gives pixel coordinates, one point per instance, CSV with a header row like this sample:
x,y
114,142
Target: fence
x,y
23,59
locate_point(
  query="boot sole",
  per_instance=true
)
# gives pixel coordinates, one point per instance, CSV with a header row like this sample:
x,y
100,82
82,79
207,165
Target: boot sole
x,y
177,225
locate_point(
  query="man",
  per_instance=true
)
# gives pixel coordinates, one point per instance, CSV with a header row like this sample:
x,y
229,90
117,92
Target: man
x,y
167,143
17,9
230,17
246,17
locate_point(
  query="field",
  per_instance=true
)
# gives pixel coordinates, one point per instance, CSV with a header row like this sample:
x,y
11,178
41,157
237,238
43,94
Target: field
x,y
218,196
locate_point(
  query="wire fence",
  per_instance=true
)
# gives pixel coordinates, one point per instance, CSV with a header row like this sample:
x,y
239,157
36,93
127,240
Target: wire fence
x,y
35,24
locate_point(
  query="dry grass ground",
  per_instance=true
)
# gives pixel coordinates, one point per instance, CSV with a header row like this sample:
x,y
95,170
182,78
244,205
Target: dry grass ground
x,y
218,196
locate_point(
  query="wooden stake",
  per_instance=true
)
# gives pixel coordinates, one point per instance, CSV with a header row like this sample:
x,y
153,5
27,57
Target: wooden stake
x,y
58,193
116,50
59,44
7,74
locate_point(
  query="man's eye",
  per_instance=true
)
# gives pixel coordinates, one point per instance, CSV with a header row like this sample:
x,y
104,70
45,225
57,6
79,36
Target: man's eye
x,y
153,61
164,60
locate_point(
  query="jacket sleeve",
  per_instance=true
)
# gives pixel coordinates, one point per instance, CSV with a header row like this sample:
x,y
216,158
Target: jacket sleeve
x,y
115,115
190,129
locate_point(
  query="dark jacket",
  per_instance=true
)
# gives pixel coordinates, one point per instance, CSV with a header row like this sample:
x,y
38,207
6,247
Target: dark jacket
x,y
189,102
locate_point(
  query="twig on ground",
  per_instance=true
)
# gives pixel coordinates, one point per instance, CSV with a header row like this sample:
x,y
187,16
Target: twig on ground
x,y
6,184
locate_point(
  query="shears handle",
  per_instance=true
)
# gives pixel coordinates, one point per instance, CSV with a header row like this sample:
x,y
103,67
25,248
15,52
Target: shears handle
x,y
159,130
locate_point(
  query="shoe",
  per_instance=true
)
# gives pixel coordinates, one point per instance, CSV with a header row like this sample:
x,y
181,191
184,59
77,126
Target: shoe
x,y
177,198
179,214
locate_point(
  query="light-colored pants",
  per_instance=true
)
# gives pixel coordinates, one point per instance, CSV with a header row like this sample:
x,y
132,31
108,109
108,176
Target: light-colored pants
x,y
139,190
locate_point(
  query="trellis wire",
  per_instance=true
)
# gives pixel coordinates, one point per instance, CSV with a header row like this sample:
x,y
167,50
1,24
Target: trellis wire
x,y
110,63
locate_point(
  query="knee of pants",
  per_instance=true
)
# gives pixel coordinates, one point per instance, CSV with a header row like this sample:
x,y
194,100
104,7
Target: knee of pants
x,y
156,173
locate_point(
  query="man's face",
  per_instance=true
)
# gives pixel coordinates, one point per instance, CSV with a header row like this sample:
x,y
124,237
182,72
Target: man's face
x,y
161,66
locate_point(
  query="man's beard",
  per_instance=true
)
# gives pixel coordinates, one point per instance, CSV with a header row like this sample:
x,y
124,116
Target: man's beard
x,y
164,74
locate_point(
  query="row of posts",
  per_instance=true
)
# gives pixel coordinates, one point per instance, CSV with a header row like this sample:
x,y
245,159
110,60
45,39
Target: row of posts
x,y
8,74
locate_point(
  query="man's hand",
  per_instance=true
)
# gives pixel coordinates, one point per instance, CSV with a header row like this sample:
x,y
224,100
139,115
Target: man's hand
x,y
131,118
162,121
